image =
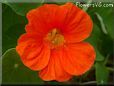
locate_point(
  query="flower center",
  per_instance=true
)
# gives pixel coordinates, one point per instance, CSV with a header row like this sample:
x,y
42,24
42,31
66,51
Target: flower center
x,y
54,38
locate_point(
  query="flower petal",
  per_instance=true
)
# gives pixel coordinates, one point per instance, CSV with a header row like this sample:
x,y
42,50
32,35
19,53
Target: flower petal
x,y
54,70
78,58
31,37
41,19
36,57
73,23
33,52
78,24
27,40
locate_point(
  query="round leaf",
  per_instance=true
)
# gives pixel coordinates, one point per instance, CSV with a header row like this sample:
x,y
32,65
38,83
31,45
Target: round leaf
x,y
23,8
14,72
94,39
107,15
101,73
12,27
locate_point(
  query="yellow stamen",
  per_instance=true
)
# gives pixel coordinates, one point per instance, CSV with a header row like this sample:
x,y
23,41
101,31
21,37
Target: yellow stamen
x,y
55,38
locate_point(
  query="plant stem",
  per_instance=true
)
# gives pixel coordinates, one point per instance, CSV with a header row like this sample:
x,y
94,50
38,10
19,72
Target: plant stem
x,y
111,69
89,82
85,8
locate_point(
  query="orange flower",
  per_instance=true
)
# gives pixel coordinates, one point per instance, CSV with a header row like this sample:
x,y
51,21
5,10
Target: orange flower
x,y
53,43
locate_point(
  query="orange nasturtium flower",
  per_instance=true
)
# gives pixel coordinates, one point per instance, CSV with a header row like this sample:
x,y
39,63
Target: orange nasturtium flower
x,y
53,42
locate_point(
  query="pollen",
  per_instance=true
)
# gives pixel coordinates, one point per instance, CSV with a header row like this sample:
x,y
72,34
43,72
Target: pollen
x,y
55,38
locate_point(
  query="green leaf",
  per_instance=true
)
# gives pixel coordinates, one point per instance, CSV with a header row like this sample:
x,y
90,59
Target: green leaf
x,y
95,39
13,26
14,72
10,18
107,15
104,36
102,73
87,2
103,27
10,37
23,8
99,56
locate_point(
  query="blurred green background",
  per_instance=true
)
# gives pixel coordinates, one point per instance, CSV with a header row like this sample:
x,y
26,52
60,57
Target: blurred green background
x,y
14,21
